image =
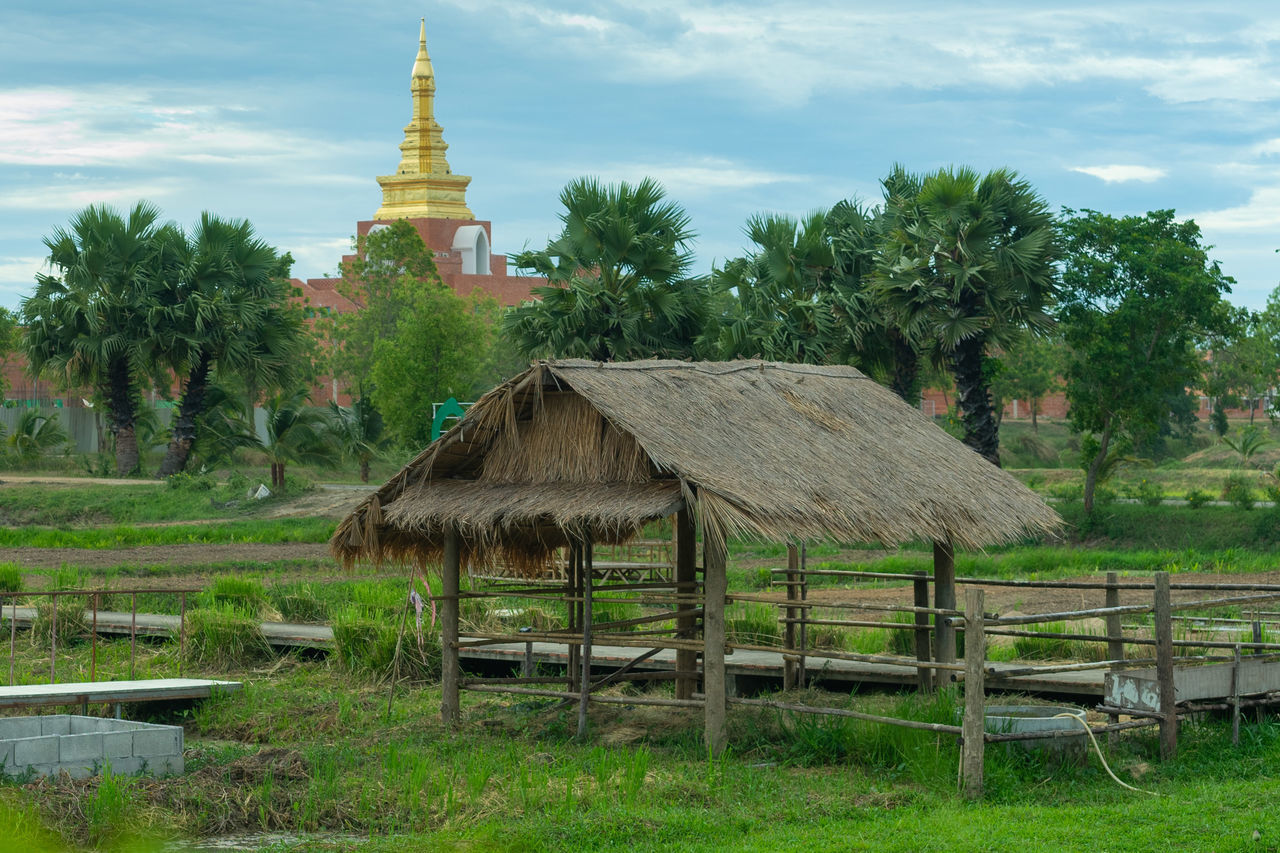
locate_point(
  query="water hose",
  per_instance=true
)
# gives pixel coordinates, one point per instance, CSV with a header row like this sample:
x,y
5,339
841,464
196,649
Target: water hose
x,y
1098,750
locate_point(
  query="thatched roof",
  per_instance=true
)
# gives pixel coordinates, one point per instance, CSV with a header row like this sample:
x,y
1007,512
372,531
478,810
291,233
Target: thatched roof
x,y
779,451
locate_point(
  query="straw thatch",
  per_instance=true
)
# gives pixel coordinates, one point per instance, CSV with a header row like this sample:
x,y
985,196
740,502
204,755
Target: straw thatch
x,y
761,449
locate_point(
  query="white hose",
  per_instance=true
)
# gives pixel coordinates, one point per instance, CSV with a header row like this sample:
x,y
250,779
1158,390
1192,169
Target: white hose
x,y
1098,750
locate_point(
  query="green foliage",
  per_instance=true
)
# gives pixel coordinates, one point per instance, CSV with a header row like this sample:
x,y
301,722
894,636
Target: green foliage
x,y
1149,492
367,646
314,530
1248,442
1029,370
296,433
235,592
1138,293
753,624
358,429
1197,498
617,279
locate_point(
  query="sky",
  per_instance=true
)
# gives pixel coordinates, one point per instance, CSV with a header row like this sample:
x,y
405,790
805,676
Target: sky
x,y
284,112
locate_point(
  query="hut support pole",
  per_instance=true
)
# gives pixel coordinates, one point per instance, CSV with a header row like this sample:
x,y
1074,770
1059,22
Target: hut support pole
x,y
973,745
586,637
713,638
687,626
1115,638
450,707
1164,668
791,666
575,607
944,598
924,675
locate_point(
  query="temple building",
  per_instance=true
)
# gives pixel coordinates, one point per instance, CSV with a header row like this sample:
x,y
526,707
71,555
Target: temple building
x,y
425,191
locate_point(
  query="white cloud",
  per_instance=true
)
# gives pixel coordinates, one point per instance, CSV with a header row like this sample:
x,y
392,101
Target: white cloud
x,y
314,254
699,176
1260,213
71,195
1119,173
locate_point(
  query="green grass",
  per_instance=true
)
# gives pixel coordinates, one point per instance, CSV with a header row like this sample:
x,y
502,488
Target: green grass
x,y
309,530
95,503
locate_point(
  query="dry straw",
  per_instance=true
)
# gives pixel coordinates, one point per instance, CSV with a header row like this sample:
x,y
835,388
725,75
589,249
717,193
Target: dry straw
x,y
757,449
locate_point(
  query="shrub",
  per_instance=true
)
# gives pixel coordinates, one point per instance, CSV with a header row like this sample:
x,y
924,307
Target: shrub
x,y
1197,498
1239,491
224,637
367,646
71,626
753,625
1149,493
185,481
298,603
244,594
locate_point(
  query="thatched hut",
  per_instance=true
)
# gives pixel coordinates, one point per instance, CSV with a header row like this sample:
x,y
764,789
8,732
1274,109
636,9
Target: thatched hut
x,y
572,452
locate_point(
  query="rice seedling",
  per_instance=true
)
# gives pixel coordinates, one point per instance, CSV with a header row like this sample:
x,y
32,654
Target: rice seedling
x,y
225,637
10,577
753,625
298,602
70,624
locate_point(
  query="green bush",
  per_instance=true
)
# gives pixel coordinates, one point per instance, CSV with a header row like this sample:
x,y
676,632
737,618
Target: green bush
x,y
225,637
753,625
1149,493
1197,498
71,625
367,646
185,481
1239,491
298,603
244,594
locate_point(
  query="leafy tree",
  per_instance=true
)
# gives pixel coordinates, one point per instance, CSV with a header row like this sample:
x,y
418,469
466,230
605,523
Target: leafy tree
x,y
89,323
228,314
1138,293
1029,370
439,349
1247,443
10,341
359,431
779,297
967,266
618,286
223,427
296,432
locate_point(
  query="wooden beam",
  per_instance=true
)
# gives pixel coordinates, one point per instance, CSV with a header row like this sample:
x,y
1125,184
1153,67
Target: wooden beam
x,y
686,573
450,706
1164,668
586,636
715,582
974,745
944,598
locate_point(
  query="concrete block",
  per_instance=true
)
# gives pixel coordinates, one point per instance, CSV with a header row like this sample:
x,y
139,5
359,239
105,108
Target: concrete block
x,y
117,744
86,725
76,748
6,757
123,766
166,741
13,728
36,750
76,769
165,765
42,769
56,724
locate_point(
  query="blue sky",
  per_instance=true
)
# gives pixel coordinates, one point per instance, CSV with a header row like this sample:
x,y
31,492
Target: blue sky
x,y
283,112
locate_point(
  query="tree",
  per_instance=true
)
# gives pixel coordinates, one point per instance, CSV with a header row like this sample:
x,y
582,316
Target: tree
x,y
36,434
779,297
414,341
359,431
438,350
296,432
89,323
1029,370
1138,293
228,313
10,340
618,286
968,264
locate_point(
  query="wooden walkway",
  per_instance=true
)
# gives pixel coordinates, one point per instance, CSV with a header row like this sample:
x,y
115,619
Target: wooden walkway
x,y
747,670
112,692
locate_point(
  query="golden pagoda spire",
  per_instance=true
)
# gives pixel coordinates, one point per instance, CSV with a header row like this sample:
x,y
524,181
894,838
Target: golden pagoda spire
x,y
423,187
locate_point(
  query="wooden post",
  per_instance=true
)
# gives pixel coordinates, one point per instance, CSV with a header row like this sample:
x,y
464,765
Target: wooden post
x,y
586,636
1164,668
1115,642
715,585
686,626
924,676
974,744
944,598
802,677
450,705
1235,697
790,665
575,608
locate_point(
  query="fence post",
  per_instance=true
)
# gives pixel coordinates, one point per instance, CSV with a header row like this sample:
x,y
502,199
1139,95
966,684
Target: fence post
x,y
790,664
450,705
585,698
1235,696
53,639
973,744
924,676
686,580
1164,668
713,639
1115,640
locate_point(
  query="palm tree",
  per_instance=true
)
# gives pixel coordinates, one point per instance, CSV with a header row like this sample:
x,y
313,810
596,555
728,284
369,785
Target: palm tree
x,y
227,315
779,296
296,432
358,428
89,323
617,279
969,266
36,434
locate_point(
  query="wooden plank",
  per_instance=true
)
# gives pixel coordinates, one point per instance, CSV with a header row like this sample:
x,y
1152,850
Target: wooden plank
x,y
923,651
944,598
94,692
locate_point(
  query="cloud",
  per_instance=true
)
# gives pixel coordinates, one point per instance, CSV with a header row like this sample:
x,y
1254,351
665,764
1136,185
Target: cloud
x,y
73,194
1118,173
698,176
1260,213
126,127
785,53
